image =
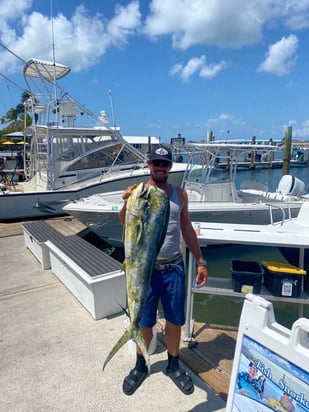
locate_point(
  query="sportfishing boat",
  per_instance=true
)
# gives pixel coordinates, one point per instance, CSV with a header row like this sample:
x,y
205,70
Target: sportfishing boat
x,y
70,152
212,194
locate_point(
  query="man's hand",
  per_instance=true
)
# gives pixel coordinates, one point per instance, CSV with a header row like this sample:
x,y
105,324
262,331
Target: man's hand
x,y
201,276
126,194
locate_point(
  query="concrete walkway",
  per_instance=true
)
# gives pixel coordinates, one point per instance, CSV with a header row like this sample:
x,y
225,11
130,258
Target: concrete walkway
x,y
52,350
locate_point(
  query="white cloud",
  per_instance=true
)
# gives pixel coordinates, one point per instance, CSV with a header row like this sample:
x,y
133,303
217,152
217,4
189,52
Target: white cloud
x,y
197,64
194,64
300,132
280,58
222,117
295,13
80,41
225,123
125,23
9,10
211,71
191,22
223,23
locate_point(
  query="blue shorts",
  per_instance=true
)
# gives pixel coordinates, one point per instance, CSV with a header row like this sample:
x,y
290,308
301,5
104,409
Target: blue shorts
x,y
169,286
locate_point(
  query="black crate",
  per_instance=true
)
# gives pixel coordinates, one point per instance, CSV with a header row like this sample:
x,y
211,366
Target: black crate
x,y
246,276
282,279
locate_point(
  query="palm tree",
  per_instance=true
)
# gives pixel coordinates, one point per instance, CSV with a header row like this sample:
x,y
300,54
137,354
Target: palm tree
x,y
15,116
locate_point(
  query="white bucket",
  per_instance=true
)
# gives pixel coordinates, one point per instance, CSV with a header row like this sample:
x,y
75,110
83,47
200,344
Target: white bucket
x,y
132,344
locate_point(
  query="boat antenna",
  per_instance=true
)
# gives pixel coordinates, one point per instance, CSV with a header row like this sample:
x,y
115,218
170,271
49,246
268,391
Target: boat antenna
x,y
53,46
112,107
52,29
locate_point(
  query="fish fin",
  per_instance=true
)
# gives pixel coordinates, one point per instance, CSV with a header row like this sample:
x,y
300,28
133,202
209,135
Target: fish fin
x,y
139,233
124,309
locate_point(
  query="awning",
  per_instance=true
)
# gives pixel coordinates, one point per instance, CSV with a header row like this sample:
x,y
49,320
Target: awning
x,y
46,70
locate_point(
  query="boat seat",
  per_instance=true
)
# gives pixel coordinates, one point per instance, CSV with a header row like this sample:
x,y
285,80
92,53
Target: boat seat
x,y
303,215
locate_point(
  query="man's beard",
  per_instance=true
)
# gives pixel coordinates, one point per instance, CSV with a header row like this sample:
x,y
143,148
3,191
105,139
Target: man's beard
x,y
159,179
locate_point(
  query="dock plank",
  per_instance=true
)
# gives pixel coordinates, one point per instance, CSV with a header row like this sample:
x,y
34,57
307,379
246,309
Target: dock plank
x,y
210,354
65,225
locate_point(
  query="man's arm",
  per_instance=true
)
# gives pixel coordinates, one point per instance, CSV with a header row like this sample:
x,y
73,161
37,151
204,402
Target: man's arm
x,y
190,238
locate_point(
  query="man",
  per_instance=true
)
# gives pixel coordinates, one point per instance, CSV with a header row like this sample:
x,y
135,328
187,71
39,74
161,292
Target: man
x,y
249,377
286,401
168,278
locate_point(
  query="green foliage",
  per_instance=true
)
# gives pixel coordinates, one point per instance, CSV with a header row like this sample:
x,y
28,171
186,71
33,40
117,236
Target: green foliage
x,y
14,118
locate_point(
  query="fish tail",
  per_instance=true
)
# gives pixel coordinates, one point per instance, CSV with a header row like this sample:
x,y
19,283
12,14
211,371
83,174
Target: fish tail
x,y
130,333
124,338
139,339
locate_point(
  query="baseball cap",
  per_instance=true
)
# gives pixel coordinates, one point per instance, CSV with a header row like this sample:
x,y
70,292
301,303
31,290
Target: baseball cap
x,y
161,153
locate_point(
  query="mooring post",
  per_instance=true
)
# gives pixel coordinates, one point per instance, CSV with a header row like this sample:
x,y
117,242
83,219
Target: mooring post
x,y
287,151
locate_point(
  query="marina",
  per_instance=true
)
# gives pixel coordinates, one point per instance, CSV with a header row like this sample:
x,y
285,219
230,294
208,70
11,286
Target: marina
x,y
75,273
209,335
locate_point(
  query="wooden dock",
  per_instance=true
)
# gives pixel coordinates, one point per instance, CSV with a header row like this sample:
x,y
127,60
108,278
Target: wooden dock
x,y
66,225
210,353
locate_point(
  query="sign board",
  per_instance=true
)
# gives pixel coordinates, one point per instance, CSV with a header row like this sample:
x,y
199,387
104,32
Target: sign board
x,y
178,141
271,363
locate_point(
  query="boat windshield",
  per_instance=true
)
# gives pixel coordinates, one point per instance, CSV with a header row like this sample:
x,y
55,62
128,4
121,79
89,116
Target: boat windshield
x,y
80,152
116,155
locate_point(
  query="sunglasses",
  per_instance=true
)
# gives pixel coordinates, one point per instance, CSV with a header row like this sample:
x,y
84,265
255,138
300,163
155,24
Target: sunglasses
x,y
162,163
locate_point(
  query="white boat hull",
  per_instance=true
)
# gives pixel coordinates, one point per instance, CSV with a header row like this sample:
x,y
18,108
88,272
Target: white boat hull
x,y
213,197
104,220
34,204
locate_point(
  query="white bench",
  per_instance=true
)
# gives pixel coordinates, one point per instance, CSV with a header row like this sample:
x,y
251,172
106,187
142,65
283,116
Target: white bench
x,y
95,278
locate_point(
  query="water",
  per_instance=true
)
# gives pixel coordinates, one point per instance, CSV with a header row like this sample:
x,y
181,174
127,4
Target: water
x,y
271,177
225,310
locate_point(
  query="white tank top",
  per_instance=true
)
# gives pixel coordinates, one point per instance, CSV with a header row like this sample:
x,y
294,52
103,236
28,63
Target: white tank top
x,y
171,244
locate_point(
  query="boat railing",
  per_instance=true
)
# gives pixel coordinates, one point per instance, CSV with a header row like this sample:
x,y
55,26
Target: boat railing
x,y
282,208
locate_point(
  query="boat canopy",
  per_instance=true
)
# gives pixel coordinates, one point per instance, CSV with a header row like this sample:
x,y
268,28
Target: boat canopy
x,y
46,70
237,147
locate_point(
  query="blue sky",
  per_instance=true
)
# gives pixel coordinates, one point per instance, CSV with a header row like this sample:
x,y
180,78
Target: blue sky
x,y
239,68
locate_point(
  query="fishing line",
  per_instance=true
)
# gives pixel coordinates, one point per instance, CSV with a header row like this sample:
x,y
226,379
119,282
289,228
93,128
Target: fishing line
x,y
11,51
11,81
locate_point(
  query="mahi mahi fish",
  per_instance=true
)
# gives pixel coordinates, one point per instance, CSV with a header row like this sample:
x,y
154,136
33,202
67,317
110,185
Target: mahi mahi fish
x,y
147,215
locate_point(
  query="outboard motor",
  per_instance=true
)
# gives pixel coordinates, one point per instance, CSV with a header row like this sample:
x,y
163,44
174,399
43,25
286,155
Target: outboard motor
x,y
291,186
